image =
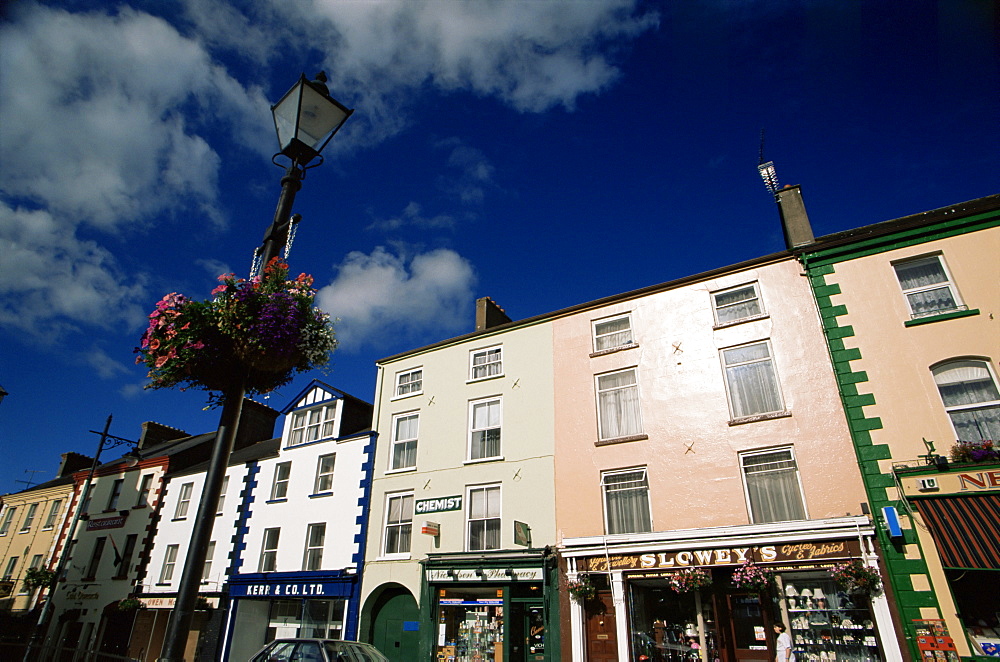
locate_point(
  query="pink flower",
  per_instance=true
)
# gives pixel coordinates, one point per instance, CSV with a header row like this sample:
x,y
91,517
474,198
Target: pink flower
x,y
154,344
160,361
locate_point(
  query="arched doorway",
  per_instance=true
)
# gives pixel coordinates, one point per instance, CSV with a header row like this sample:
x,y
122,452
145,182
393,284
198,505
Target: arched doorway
x,y
395,620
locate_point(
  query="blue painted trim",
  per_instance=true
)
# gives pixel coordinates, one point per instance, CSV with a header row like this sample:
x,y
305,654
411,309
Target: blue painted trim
x,y
233,612
353,615
243,518
335,394
285,500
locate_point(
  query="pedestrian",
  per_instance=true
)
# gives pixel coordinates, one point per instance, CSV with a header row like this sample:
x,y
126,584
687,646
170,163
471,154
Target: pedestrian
x,y
783,644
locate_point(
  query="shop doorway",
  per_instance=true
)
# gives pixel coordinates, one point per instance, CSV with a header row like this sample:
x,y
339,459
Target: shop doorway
x,y
394,620
750,627
602,629
527,636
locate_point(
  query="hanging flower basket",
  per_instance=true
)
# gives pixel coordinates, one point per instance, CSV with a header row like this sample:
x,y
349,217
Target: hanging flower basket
x,y
975,451
582,590
689,579
38,578
751,577
263,330
857,578
128,604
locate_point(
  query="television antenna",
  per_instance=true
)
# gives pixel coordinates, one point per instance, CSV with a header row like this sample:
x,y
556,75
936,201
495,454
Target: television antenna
x,y
766,170
31,480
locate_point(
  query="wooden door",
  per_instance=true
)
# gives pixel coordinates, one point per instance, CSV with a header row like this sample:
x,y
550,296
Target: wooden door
x,y
602,629
749,628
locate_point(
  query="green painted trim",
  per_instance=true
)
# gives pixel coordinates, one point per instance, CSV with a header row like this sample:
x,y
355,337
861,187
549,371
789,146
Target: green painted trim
x,y
941,317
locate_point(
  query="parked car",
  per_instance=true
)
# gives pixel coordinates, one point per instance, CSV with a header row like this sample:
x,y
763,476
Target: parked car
x,y
318,650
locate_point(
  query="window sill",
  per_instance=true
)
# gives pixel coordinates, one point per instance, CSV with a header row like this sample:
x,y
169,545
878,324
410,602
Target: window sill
x,y
24,531
140,506
742,320
399,471
276,500
941,317
760,417
163,583
179,519
481,460
405,396
621,440
394,557
484,379
612,350
320,495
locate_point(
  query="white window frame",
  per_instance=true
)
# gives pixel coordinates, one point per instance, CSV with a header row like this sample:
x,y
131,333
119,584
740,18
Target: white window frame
x,y
948,283
323,483
269,550
603,391
36,562
407,385
312,557
486,366
279,482
605,490
206,570
746,486
400,524
971,362
183,501
8,572
8,519
145,487
116,494
598,337
780,409
29,518
469,519
50,519
313,424
397,441
169,562
716,307
220,504
498,400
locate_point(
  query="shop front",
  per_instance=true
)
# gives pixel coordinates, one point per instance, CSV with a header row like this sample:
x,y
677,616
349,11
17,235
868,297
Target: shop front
x,y
688,597
277,605
491,607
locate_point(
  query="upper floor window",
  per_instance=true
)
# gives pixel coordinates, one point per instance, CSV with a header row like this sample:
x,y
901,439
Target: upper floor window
x,y
269,550
206,570
927,286
29,518
324,473
169,562
183,501
750,380
613,332
54,509
410,382
772,484
484,518
485,363
222,495
124,560
145,484
626,501
8,519
315,538
485,418
737,303
312,424
279,486
618,404
405,428
398,524
969,391
95,558
8,572
116,493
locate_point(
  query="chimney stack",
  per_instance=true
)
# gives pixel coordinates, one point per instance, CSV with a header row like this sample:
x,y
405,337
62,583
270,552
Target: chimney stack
x,y
794,219
489,314
73,462
154,434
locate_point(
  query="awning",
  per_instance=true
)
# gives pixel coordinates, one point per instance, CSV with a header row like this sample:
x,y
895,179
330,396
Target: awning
x,y
966,529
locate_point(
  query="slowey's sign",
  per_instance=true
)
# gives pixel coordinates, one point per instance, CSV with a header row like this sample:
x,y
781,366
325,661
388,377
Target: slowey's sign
x,y
792,553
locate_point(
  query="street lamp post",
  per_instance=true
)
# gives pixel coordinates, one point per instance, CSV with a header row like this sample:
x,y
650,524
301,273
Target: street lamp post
x,y
107,441
305,119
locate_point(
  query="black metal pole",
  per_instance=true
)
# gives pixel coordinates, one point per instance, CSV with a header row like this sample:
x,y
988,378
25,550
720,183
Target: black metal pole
x,y
179,625
46,614
277,233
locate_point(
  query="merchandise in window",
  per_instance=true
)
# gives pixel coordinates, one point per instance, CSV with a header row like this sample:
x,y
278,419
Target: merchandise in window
x,y
312,424
484,518
612,333
969,392
398,524
484,429
825,622
486,363
409,383
626,501
927,286
772,483
751,381
470,624
665,624
737,304
404,441
618,409
279,488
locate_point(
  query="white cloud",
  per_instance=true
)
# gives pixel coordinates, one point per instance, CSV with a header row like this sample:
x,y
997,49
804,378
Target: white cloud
x,y
474,172
412,215
105,366
384,296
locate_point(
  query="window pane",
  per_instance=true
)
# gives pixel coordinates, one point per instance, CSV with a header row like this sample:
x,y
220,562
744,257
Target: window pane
x,y
627,502
920,273
773,487
737,304
618,400
612,333
753,386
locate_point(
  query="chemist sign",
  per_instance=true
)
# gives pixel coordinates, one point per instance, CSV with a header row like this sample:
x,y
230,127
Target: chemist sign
x,y
439,505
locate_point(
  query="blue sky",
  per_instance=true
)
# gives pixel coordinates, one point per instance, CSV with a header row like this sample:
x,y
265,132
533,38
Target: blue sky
x,y
543,153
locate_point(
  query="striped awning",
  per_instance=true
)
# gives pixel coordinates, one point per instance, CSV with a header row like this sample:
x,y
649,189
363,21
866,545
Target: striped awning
x,y
966,529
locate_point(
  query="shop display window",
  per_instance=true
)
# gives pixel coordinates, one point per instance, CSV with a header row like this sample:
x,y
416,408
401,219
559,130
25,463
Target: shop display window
x,y
470,625
665,624
976,594
827,624
321,619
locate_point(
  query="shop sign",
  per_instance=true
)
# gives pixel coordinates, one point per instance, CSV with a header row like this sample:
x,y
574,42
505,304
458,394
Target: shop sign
x,y
282,590
982,480
116,522
440,505
453,602
806,551
431,529
77,594
488,574
168,603
522,534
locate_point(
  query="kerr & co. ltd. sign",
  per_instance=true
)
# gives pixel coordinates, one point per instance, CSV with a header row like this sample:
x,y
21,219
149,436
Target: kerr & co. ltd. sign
x,y
794,554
